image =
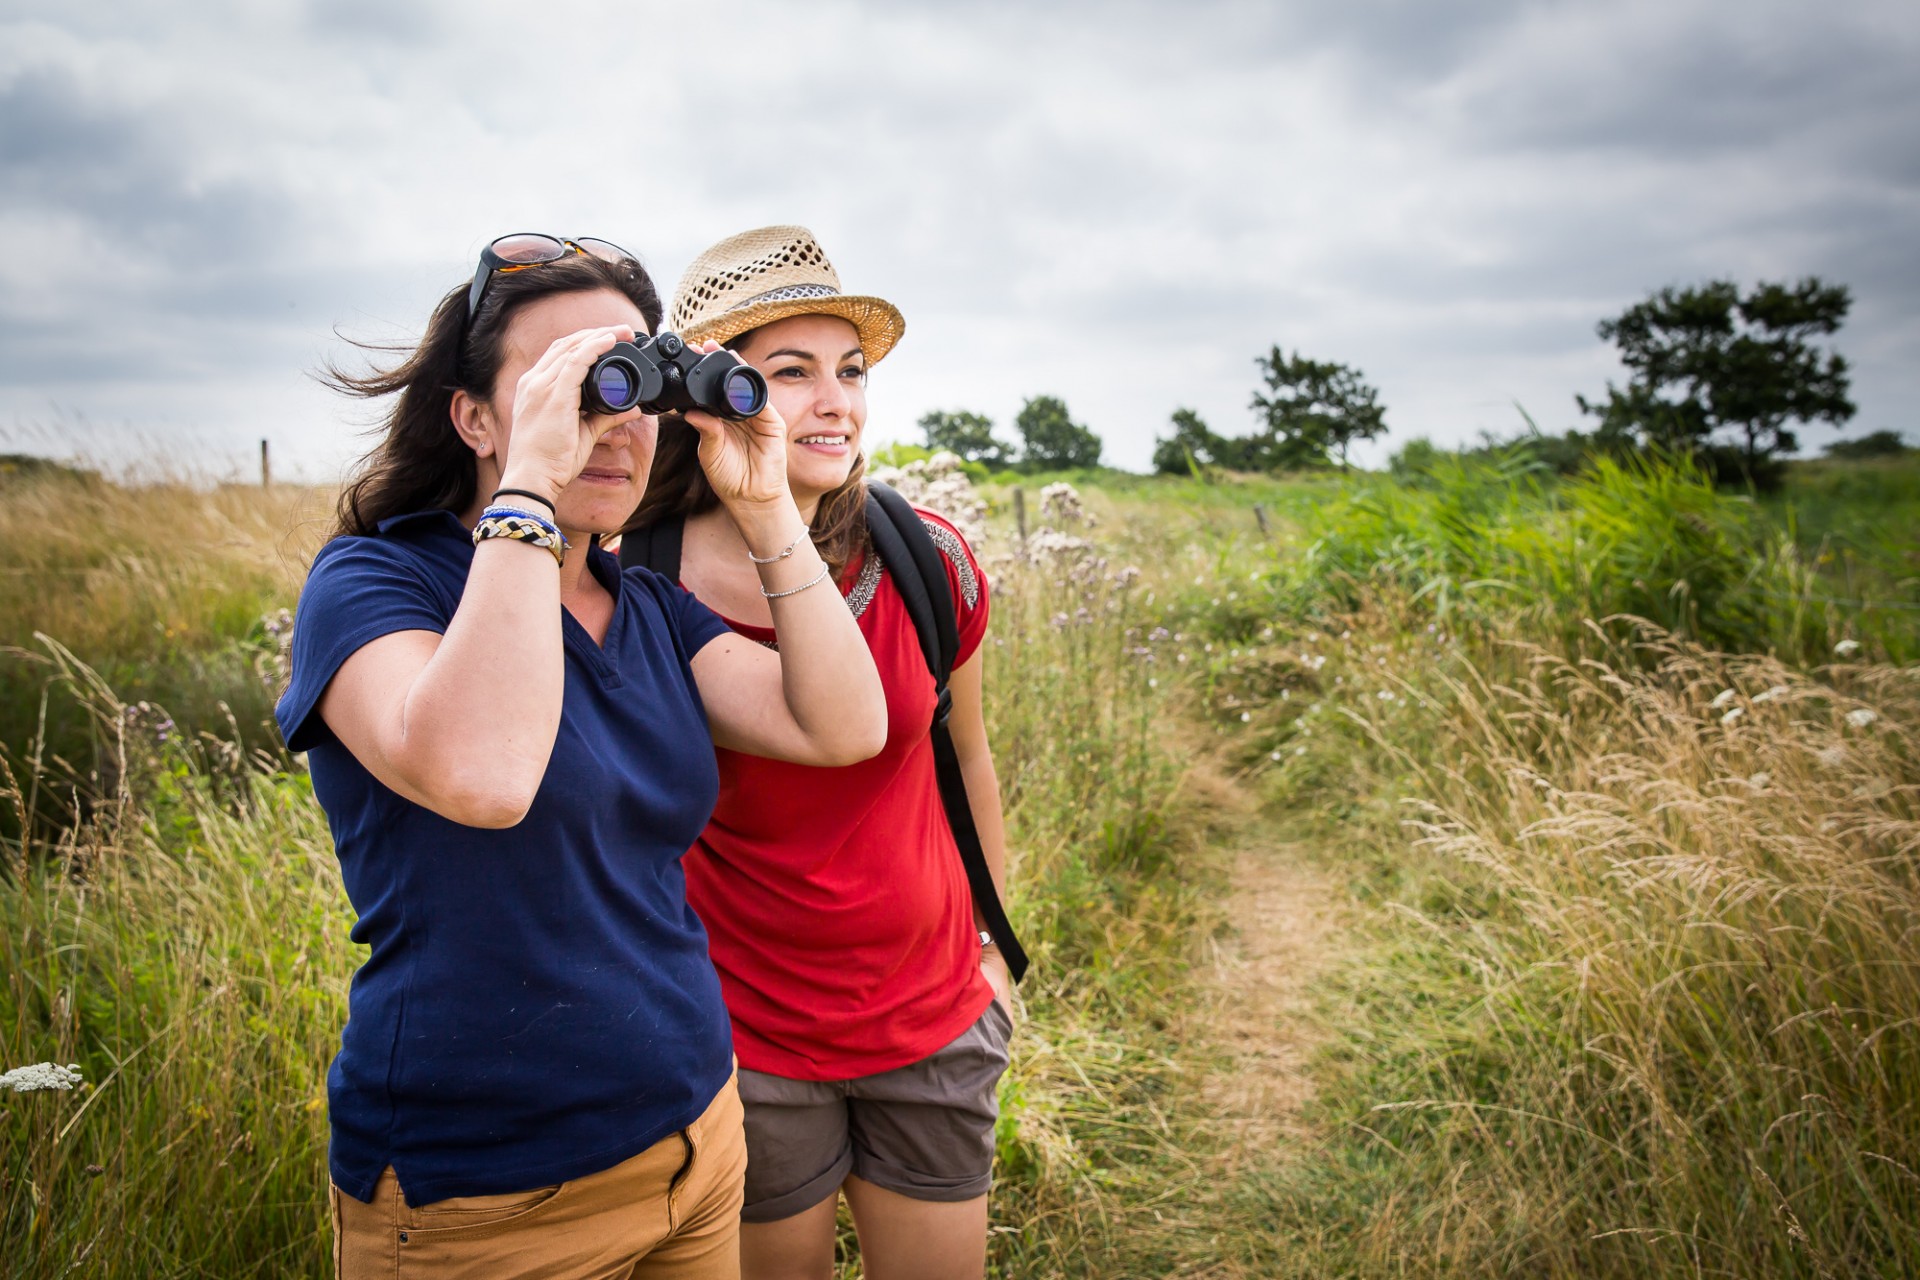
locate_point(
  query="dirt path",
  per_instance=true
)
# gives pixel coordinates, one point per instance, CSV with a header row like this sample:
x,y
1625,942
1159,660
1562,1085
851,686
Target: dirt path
x,y
1285,927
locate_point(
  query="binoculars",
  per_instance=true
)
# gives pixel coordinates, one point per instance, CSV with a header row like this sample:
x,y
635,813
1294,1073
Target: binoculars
x,y
664,375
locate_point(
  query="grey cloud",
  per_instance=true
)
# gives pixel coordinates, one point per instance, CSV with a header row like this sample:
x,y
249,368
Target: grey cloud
x,y
118,171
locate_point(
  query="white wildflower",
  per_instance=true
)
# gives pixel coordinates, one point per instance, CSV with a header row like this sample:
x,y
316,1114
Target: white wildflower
x,y
1778,691
1760,780
1723,697
1273,755
1833,757
1861,717
1733,715
1285,694
1847,648
1299,751
41,1075
1246,717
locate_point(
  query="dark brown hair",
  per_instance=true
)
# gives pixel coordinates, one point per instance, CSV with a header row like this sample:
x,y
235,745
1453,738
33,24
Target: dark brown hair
x,y
677,488
421,463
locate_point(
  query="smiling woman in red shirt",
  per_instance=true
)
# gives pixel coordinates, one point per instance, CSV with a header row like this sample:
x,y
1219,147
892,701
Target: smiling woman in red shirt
x,y
870,1013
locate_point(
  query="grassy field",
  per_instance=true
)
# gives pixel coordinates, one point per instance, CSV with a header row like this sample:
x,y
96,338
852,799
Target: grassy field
x,y
1616,780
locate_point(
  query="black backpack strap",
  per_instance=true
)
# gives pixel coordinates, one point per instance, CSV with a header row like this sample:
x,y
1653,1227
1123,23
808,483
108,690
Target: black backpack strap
x,y
908,552
655,547
919,575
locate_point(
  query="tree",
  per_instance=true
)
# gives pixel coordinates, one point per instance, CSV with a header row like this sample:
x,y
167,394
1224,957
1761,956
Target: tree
x,y
1877,444
1192,447
1312,408
1054,441
1707,361
970,435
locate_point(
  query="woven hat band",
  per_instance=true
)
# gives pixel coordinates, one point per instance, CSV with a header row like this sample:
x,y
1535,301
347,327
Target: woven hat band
x,y
774,273
785,293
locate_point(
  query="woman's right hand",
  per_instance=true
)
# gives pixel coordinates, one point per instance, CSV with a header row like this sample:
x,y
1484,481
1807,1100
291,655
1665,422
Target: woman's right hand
x,y
552,438
745,458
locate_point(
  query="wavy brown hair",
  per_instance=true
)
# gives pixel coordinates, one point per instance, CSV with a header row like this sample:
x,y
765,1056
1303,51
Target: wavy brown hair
x,y
421,463
677,488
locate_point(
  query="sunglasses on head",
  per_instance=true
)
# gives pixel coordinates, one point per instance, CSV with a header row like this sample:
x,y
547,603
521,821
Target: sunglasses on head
x,y
531,249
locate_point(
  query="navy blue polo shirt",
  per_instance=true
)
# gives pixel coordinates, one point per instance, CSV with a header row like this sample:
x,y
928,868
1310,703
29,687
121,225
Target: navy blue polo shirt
x,y
538,1004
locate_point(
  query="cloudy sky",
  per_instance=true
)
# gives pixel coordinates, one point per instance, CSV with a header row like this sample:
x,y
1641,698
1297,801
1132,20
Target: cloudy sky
x,y
1121,203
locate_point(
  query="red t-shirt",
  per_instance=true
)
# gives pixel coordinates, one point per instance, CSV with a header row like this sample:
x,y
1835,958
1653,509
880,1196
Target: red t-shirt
x,y
835,900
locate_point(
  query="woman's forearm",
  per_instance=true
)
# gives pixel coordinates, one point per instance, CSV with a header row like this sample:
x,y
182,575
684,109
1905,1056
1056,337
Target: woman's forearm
x,y
968,724
827,678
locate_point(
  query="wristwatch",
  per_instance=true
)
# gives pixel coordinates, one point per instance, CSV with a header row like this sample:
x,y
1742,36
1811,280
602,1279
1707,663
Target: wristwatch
x,y
986,938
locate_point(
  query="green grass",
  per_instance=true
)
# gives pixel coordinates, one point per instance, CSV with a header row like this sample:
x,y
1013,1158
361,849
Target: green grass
x,y
1633,982
172,920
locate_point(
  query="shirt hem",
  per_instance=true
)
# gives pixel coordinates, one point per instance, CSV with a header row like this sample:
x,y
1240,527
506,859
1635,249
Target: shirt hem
x,y
795,1066
518,1177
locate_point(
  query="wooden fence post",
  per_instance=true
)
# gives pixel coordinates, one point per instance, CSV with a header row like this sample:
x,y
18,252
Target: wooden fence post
x,y
266,468
1020,513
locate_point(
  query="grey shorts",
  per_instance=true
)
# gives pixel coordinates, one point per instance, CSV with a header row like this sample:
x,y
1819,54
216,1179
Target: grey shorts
x,y
924,1130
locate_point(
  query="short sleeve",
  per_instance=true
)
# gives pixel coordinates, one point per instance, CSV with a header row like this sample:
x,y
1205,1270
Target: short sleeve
x,y
964,580
699,626
358,590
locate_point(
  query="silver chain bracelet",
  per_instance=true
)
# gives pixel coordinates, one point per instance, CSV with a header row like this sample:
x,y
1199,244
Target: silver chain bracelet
x,y
778,556
794,591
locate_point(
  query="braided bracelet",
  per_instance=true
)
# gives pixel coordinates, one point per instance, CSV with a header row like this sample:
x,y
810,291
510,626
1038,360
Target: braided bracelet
x,y
783,553
521,526
794,591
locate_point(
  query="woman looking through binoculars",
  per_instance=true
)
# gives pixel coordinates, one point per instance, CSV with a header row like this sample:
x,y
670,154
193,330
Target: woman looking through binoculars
x,y
871,1005
512,741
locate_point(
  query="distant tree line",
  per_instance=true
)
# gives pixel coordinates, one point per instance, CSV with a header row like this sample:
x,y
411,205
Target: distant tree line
x,y
1723,376
1307,412
1716,374
1050,440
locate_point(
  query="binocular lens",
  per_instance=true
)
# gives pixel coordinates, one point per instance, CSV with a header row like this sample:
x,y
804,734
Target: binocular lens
x,y
745,392
617,385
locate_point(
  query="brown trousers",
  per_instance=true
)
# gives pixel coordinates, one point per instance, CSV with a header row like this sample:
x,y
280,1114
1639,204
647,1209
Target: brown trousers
x,y
670,1213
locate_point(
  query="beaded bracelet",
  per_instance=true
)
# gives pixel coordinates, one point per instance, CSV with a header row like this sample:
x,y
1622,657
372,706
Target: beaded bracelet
x,y
794,591
521,526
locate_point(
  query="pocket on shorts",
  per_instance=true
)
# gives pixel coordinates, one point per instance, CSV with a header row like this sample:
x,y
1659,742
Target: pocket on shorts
x,y
477,1217
999,1017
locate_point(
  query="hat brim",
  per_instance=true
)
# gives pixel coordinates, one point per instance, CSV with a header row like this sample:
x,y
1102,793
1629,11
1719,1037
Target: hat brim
x,y
878,321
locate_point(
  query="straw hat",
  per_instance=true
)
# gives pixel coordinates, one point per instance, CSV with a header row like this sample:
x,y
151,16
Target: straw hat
x,y
768,274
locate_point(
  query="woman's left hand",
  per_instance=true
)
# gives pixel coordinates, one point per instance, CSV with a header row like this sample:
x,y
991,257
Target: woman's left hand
x,y
993,966
745,458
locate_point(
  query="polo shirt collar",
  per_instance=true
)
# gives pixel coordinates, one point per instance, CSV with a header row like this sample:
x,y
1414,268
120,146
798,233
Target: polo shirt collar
x,y
601,564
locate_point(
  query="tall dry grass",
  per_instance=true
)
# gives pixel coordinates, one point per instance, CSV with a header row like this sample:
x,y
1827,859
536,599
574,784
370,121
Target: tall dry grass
x,y
185,943
1646,1000
161,588
171,917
